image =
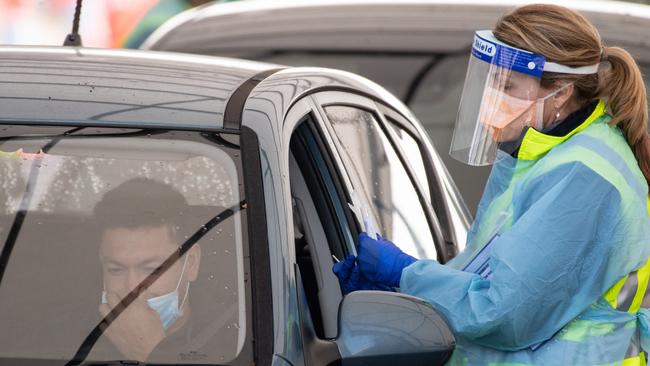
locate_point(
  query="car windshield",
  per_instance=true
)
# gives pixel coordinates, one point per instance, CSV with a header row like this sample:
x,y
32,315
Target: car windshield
x,y
88,216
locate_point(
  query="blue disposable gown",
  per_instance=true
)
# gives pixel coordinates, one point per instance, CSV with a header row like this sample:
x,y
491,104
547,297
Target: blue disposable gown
x,y
571,238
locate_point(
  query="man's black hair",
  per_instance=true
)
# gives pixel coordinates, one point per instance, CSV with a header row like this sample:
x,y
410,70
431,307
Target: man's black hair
x,y
143,203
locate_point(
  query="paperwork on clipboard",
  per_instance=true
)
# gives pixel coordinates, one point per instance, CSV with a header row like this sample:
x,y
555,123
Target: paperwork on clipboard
x,y
480,264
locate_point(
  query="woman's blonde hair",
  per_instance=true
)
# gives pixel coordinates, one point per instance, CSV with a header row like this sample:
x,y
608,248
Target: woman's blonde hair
x,y
563,36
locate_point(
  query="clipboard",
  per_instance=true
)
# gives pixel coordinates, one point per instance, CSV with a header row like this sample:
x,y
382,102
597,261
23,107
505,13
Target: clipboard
x,y
480,264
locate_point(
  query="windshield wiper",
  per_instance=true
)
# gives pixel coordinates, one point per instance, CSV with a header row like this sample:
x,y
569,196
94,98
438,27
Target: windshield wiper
x,y
93,336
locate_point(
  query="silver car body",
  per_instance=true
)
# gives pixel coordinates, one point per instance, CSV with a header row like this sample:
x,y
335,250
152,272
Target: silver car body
x,y
48,86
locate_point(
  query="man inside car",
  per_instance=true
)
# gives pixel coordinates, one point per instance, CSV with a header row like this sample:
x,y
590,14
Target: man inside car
x,y
141,224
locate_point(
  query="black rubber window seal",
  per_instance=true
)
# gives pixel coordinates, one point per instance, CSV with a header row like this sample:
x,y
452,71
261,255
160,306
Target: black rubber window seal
x,y
262,292
232,117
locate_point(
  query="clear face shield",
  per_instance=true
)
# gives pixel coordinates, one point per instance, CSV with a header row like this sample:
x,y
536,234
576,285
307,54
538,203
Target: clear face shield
x,y
500,99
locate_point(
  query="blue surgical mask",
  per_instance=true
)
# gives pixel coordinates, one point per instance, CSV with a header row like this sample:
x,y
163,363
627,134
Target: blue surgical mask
x,y
166,305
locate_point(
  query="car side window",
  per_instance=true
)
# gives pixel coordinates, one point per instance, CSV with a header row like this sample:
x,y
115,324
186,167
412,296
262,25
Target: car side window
x,y
383,181
411,148
433,179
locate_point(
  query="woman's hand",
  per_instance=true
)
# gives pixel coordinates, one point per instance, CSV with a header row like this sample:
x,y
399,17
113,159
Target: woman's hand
x,y
378,267
381,261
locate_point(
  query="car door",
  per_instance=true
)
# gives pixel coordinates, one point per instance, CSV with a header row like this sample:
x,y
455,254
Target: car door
x,y
324,209
386,185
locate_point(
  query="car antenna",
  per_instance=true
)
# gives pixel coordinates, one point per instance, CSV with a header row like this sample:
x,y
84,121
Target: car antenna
x,y
74,39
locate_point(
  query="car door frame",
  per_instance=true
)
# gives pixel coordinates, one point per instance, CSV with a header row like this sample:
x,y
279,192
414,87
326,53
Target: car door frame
x,y
297,113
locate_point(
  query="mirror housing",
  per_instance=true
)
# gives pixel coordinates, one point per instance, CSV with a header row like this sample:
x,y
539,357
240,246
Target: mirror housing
x,y
377,328
387,328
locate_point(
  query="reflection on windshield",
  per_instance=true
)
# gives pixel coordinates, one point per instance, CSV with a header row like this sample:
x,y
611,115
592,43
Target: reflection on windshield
x,y
102,218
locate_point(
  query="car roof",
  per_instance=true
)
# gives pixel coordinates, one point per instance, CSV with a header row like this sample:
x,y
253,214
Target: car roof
x,y
84,86
378,25
146,89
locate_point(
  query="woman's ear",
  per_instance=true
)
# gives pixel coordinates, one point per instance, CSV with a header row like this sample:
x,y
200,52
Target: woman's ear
x,y
563,96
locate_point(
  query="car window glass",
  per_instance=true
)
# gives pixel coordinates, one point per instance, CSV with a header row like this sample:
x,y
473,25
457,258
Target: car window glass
x,y
100,215
384,181
412,150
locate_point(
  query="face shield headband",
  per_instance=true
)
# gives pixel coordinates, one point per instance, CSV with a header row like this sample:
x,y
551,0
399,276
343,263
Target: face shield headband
x,y
500,98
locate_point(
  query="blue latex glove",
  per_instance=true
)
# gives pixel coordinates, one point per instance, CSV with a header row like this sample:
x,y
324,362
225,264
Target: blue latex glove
x,y
381,261
351,278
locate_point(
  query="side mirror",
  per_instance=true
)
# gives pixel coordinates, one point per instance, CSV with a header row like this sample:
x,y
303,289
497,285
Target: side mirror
x,y
387,328
378,328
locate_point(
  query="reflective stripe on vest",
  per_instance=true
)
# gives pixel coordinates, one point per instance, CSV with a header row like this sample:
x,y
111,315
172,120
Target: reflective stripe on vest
x,y
600,148
634,361
629,293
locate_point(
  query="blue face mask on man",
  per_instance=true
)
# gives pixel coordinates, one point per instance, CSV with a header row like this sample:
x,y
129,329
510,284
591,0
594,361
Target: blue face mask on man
x,y
166,305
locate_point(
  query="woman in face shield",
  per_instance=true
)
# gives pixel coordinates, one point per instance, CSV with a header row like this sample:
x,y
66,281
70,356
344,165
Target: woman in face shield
x,y
555,271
